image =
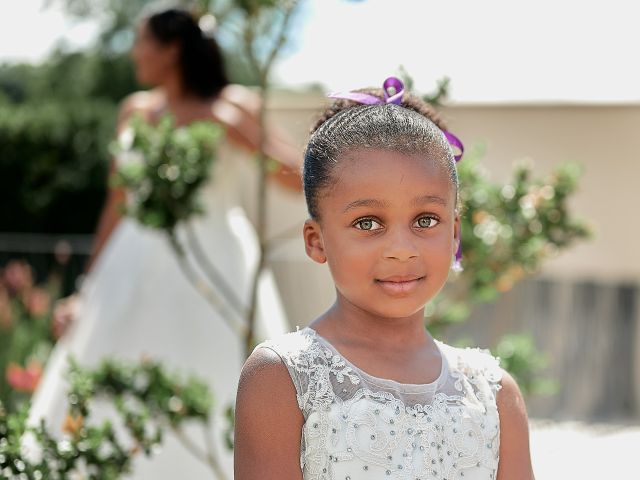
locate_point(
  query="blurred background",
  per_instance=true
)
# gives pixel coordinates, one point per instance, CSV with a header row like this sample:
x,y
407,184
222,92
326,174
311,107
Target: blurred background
x,y
539,86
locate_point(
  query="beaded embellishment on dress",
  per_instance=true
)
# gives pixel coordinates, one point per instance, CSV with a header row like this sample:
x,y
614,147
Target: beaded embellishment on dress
x,y
358,426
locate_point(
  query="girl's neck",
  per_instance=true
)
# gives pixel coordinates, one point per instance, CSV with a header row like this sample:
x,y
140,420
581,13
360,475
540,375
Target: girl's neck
x,y
348,322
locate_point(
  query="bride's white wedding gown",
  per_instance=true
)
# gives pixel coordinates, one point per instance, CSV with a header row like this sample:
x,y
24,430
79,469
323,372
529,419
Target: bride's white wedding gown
x,y
136,301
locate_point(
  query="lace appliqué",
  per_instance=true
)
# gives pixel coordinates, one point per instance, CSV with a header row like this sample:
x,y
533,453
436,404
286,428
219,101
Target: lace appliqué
x,y
479,368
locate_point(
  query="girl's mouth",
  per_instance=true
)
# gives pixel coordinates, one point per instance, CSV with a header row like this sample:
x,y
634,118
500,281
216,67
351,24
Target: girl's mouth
x,y
400,285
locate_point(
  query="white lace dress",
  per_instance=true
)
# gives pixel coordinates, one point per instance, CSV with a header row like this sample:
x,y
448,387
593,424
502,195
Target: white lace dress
x,y
359,427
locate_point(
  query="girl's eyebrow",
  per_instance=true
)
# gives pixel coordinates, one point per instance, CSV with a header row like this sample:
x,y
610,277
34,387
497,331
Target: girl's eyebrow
x,y
373,202
429,199
365,202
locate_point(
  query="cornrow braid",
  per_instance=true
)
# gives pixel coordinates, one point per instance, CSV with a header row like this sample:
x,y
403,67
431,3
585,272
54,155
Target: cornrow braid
x,y
413,127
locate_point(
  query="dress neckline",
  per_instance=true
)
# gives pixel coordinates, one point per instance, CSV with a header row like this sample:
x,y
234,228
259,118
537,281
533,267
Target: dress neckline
x,y
385,382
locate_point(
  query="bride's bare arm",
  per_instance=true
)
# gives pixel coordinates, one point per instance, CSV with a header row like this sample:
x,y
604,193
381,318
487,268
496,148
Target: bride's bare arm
x,y
109,219
238,110
110,215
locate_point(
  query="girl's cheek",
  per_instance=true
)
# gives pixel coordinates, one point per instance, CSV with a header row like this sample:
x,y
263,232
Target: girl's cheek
x,y
346,260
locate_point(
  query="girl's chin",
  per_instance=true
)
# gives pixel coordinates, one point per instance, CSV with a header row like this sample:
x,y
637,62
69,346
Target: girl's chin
x,y
398,309
378,304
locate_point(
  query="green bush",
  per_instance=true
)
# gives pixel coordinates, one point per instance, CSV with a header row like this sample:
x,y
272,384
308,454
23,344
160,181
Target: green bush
x,y
54,160
508,231
70,76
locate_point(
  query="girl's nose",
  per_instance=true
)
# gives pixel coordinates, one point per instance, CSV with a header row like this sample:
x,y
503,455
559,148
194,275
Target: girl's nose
x,y
400,245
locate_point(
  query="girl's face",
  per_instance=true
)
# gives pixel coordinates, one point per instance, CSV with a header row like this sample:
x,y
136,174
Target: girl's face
x,y
152,59
388,230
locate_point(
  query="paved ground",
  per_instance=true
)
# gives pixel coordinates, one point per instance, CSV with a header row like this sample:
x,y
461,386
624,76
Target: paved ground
x,y
577,451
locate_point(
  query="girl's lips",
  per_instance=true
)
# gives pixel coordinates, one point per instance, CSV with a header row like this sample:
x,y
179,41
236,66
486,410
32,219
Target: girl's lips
x,y
403,287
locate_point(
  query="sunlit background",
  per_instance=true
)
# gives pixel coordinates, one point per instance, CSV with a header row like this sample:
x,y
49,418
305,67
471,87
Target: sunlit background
x,y
545,82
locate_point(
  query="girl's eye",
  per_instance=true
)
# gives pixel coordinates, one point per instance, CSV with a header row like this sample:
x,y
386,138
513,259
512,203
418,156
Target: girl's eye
x,y
366,224
427,222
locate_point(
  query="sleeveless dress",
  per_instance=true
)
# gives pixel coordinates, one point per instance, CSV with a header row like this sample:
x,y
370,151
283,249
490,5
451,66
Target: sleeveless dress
x,y
359,427
137,302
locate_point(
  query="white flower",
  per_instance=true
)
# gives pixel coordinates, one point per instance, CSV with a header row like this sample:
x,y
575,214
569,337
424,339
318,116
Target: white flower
x,y
208,24
125,139
131,157
81,472
30,449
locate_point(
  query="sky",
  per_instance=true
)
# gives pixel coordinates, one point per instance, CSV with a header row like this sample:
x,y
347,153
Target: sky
x,y
492,50
28,32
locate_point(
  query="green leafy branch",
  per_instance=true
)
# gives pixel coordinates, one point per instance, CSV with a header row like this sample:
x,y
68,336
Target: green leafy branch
x,y
148,399
508,231
163,166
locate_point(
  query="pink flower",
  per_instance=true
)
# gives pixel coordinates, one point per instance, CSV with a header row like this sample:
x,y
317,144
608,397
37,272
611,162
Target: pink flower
x,y
37,302
24,379
17,276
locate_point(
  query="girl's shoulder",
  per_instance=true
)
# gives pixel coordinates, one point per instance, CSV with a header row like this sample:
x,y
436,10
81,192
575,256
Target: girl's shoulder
x,y
292,347
309,360
473,360
302,356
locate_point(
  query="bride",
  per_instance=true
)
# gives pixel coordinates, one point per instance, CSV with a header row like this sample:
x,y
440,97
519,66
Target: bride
x,y
135,301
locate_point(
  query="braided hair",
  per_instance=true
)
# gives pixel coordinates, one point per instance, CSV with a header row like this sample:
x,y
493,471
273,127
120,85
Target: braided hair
x,y
413,127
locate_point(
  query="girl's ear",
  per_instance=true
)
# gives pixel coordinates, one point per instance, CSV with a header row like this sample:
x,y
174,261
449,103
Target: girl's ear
x,y
313,243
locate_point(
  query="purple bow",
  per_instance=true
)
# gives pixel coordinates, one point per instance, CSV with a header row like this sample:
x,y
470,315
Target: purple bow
x,y
393,89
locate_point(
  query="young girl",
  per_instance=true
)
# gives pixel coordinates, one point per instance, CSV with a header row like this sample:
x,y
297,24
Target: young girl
x,y
364,391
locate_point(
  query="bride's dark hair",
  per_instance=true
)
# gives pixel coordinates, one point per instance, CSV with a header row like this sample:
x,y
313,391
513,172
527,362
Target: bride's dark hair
x,y
201,61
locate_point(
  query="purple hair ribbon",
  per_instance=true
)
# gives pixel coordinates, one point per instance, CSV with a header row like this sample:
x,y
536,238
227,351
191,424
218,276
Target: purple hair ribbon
x,y
455,142
393,89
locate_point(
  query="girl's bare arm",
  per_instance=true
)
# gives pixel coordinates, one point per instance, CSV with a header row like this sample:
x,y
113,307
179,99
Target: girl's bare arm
x,y
515,457
268,421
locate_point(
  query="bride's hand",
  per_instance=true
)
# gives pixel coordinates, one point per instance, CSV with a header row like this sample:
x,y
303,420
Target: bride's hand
x,y
64,313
